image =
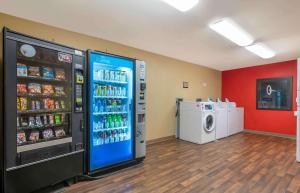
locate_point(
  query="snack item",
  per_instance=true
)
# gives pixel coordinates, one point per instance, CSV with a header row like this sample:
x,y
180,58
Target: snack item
x,y
35,105
48,133
60,74
56,105
34,136
45,120
21,70
32,105
38,105
59,90
63,118
62,104
24,121
21,103
38,121
31,122
21,137
34,88
33,71
48,73
21,88
60,132
48,103
48,89
51,119
57,119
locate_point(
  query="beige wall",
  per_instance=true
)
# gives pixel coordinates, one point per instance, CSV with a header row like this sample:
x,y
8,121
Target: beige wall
x,y
165,75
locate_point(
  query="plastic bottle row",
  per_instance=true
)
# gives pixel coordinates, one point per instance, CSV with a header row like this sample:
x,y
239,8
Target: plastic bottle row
x,y
108,90
112,136
110,75
110,121
108,105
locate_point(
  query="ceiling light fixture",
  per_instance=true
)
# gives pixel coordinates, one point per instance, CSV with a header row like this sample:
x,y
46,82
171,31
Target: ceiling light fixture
x,y
232,31
182,5
261,50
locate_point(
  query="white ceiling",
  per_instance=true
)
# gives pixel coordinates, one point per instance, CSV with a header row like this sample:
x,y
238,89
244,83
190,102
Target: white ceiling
x,y
156,27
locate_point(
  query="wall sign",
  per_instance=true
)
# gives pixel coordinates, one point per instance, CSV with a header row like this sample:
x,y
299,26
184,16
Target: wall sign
x,y
274,93
185,84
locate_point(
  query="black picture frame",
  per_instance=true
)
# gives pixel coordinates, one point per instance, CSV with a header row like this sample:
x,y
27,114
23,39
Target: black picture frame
x,y
274,94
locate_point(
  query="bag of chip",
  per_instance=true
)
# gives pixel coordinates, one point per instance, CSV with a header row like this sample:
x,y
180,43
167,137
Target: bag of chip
x,y
34,88
33,71
60,74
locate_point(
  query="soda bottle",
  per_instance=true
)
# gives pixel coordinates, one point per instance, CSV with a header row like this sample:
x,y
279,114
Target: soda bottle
x,y
100,107
124,121
100,90
104,90
100,123
117,137
112,75
100,74
108,106
124,108
123,92
95,106
105,126
117,75
106,137
104,106
106,74
119,120
115,121
107,90
99,104
113,91
101,140
122,76
112,123
113,132
109,121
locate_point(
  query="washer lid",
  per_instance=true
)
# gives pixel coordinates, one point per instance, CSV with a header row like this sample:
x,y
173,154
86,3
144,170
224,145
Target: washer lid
x,y
209,122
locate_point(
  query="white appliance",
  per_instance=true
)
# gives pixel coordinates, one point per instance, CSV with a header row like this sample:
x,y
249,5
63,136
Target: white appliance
x,y
235,118
197,122
221,119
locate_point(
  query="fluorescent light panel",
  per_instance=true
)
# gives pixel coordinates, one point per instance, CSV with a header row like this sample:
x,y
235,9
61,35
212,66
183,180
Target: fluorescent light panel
x,y
232,31
261,50
182,5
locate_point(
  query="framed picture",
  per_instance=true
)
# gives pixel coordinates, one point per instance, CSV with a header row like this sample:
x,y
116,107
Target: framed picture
x,y
185,84
274,93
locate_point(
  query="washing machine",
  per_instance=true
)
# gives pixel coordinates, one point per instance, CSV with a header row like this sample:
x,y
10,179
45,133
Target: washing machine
x,y
221,119
235,118
197,122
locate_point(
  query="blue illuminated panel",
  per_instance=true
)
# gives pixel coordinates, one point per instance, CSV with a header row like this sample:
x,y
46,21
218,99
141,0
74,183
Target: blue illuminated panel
x,y
111,110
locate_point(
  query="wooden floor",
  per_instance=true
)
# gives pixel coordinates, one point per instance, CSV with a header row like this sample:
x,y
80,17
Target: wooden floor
x,y
241,163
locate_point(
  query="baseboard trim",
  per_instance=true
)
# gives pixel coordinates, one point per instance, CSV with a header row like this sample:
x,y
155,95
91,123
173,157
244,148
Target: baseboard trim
x,y
159,140
270,134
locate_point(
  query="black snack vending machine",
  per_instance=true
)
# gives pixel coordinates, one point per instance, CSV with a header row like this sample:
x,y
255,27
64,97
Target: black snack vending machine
x,y
43,133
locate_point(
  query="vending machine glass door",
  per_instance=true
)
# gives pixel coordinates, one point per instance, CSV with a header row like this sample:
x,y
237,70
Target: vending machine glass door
x,y
111,92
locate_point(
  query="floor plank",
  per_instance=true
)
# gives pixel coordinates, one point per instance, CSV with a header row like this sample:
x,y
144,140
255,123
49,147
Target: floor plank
x,y
241,163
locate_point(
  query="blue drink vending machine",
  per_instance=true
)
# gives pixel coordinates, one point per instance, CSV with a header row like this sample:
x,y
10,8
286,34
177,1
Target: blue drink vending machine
x,y
116,111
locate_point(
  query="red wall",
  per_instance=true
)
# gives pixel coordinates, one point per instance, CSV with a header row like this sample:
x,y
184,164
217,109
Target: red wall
x,y
240,86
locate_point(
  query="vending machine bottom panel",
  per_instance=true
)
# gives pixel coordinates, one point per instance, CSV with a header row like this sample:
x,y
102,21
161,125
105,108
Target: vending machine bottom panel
x,y
36,176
